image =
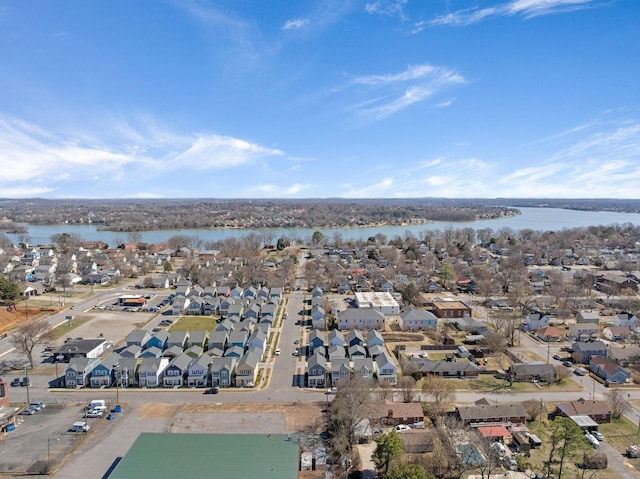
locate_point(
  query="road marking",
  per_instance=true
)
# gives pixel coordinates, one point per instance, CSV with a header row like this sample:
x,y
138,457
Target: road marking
x,y
7,352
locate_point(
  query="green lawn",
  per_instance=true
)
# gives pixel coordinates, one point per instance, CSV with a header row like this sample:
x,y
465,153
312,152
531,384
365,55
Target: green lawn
x,y
194,323
620,433
539,456
64,329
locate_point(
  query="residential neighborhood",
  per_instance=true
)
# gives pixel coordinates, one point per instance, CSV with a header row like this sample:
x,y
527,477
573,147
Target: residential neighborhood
x,y
346,321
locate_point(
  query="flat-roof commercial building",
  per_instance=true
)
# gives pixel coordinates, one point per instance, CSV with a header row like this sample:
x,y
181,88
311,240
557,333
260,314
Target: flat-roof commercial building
x,y
210,456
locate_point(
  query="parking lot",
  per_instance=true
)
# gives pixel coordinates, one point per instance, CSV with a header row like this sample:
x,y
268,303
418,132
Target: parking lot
x,y
43,439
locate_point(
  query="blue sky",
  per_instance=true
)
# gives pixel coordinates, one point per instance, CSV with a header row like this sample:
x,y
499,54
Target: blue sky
x,y
316,99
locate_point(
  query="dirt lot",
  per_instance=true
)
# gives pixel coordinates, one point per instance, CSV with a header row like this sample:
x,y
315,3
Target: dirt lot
x,y
11,317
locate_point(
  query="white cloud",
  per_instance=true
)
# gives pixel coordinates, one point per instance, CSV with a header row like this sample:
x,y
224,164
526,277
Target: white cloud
x,y
413,72
381,189
525,8
295,189
296,24
218,152
414,85
598,159
418,27
390,8
444,104
32,156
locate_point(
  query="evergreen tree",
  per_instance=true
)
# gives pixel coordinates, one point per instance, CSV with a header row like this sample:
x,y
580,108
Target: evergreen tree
x,y
389,447
9,291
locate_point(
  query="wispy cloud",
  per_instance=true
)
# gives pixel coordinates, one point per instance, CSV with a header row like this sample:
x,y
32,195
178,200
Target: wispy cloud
x,y
390,8
418,27
400,90
595,161
296,24
525,8
36,159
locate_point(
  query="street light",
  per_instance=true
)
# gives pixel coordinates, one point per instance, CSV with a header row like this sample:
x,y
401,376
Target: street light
x,y
26,376
118,372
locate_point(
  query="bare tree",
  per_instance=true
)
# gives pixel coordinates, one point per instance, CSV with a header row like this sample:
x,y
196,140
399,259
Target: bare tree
x,y
492,458
29,335
617,402
562,373
385,391
408,388
441,391
533,407
350,406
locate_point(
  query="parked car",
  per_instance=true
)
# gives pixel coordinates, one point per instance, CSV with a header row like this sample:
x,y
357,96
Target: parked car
x,y
592,440
25,381
80,426
579,371
402,427
28,411
277,352
35,406
567,364
212,390
332,390
557,357
15,382
598,435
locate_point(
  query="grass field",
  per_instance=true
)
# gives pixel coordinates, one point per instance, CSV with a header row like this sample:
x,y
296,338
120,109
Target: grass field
x,y
539,456
194,323
65,329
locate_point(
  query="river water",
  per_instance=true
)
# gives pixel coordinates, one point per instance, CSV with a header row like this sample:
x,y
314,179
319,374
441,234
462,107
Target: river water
x,y
537,219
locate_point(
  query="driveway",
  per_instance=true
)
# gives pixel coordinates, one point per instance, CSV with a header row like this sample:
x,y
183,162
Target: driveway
x,y
368,467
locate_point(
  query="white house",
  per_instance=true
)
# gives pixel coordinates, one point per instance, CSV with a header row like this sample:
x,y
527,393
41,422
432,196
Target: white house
x,y
318,320
386,369
360,318
535,321
150,371
625,319
415,319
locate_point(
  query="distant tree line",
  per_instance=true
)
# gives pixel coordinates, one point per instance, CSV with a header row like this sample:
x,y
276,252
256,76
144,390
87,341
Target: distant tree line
x,y
146,215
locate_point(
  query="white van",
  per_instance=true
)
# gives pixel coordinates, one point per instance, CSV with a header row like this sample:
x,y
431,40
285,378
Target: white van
x,y
96,403
502,451
80,426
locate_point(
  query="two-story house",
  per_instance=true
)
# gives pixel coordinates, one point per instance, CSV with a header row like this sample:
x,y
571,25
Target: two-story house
x,y
340,371
150,372
222,371
78,372
582,352
317,371
386,369
247,369
104,373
